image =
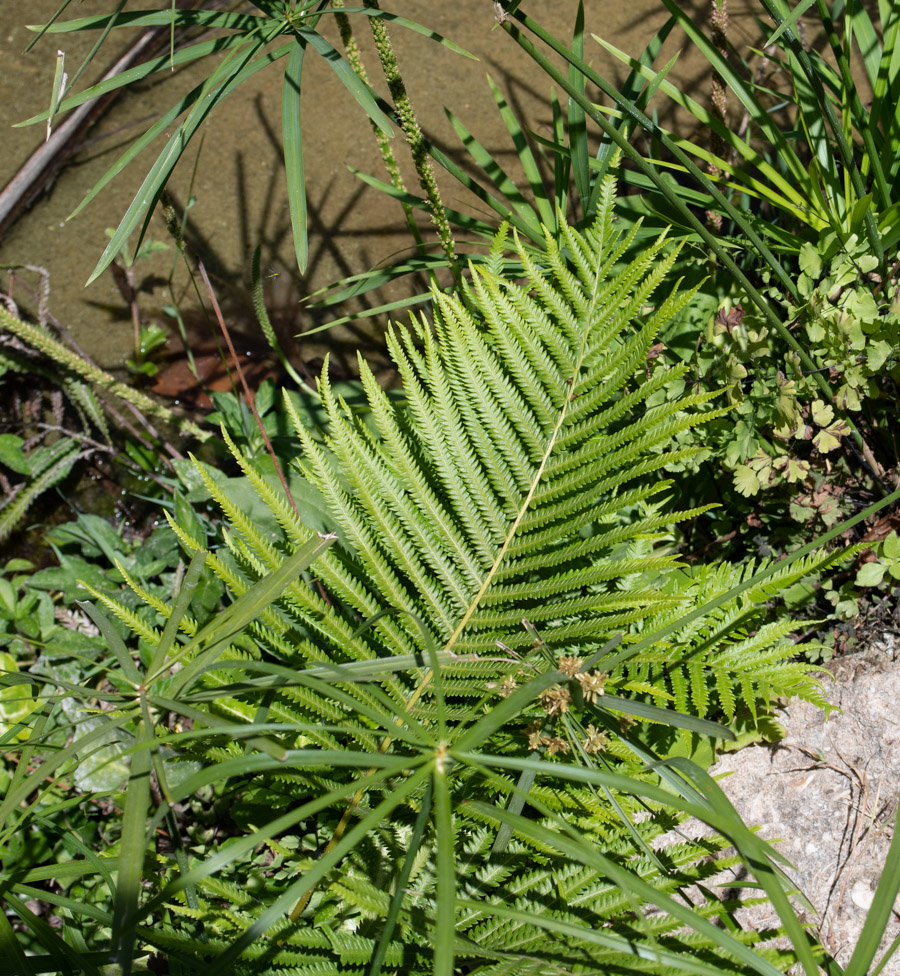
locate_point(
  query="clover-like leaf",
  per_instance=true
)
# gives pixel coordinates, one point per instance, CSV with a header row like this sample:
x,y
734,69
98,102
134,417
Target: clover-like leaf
x,y
891,547
822,413
746,482
825,441
16,703
11,454
870,574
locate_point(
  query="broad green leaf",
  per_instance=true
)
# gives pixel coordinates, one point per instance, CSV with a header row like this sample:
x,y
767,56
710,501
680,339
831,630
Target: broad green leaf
x,y
16,704
870,574
11,454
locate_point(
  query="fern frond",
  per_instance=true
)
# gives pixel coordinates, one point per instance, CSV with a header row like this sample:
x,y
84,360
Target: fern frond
x,y
496,526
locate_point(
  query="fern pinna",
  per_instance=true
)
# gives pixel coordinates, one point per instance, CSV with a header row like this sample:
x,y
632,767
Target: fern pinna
x,y
433,736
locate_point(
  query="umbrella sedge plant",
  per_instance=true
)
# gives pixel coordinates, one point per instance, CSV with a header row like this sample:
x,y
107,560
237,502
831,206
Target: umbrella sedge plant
x,y
441,736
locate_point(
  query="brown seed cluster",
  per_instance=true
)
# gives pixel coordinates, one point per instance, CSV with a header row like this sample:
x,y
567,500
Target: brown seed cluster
x,y
553,743
506,687
555,700
594,741
592,685
570,665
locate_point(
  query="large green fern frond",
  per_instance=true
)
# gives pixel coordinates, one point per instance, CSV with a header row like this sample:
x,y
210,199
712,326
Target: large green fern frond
x,y
481,499
497,526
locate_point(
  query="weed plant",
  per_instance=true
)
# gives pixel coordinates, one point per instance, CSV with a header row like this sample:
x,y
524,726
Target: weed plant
x,y
437,698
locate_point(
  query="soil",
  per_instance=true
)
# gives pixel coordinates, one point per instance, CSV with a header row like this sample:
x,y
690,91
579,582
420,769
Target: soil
x,y
239,188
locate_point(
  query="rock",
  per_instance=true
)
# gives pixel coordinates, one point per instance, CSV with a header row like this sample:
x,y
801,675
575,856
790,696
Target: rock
x,y
828,794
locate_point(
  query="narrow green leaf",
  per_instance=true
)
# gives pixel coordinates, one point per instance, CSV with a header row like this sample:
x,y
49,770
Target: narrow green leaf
x,y
665,716
445,867
390,921
292,137
11,949
58,83
508,708
158,18
227,625
847,154
634,112
579,153
224,80
315,874
139,73
132,848
789,21
655,954
516,805
752,849
41,30
35,780
526,158
104,34
495,172
409,25
183,601
62,958
349,78
115,642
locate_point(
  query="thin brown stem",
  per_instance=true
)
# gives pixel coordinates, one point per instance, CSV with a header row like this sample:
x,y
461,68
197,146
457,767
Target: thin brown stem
x,y
249,396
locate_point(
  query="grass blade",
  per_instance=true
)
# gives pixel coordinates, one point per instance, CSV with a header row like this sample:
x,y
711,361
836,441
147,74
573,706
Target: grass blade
x,y
495,172
526,158
227,625
390,921
349,78
790,20
584,851
132,848
159,18
183,601
665,716
660,957
690,218
312,877
409,25
292,137
223,81
138,73
578,142
11,949
115,642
